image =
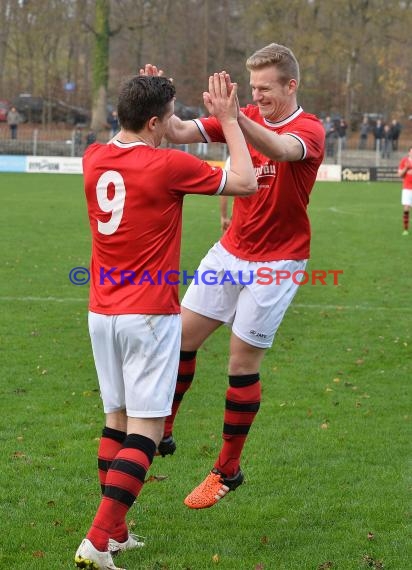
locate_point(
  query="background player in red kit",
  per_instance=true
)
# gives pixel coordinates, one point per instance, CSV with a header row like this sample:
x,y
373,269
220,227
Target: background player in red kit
x,y
405,172
134,195
286,145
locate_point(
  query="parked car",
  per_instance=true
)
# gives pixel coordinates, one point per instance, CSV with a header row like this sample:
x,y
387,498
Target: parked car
x,y
37,110
186,112
4,109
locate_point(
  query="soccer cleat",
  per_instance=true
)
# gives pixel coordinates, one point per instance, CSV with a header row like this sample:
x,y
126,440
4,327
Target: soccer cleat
x,y
89,558
405,233
167,446
133,541
212,489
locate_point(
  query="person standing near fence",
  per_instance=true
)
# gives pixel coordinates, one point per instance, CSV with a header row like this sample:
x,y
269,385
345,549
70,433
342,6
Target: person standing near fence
x,y
396,129
378,134
113,123
386,149
405,172
363,134
342,128
13,120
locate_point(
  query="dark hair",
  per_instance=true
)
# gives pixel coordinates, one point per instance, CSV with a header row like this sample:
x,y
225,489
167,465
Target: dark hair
x,y
142,98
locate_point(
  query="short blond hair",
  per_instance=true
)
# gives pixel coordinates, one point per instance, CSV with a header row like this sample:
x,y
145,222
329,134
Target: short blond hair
x,y
279,56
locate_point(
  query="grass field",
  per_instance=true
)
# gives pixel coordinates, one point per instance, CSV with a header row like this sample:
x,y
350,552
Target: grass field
x,y
328,456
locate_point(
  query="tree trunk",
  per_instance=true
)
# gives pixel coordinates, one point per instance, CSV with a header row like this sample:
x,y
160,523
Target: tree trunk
x,y
100,65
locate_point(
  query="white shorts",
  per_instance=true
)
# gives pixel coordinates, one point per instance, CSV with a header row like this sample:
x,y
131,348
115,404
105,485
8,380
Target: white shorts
x,y
406,197
253,310
136,359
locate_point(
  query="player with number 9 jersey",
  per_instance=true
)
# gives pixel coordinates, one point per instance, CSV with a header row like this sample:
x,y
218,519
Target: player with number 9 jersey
x,y
135,215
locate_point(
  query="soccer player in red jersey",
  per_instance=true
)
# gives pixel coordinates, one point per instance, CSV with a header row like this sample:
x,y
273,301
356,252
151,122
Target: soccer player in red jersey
x,y
134,193
271,229
405,172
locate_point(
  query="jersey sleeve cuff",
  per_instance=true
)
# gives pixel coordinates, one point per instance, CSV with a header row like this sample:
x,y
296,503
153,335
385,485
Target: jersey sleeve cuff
x,y
222,183
304,149
202,130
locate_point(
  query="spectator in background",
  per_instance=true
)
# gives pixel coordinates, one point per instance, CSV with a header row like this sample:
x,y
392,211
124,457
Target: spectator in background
x,y
90,138
364,132
386,142
378,134
342,128
78,142
114,124
13,120
330,134
396,131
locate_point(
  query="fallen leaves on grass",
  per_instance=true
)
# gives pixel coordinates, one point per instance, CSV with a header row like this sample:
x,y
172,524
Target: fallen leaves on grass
x,y
371,536
153,478
325,565
216,559
372,563
38,554
259,567
264,540
19,455
87,393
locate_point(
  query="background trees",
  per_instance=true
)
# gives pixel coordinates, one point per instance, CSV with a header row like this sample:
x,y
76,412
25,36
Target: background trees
x,y
354,54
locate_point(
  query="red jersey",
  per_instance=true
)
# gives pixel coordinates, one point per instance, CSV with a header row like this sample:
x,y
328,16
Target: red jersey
x,y
134,197
273,224
407,179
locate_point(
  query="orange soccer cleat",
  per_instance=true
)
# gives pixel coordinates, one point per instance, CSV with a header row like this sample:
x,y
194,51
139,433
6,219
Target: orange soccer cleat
x,y
212,489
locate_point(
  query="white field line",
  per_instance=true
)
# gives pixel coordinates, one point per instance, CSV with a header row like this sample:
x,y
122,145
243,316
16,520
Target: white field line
x,y
43,299
319,306
349,307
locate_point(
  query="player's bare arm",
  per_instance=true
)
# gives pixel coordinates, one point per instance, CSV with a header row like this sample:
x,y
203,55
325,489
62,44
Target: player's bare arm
x,y
241,177
224,218
282,148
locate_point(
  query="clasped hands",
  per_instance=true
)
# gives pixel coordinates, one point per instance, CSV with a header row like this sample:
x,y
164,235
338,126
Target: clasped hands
x,y
221,100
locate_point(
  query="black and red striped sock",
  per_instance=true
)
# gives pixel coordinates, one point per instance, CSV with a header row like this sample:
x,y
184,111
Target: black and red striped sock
x,y
110,444
124,482
242,405
186,372
406,220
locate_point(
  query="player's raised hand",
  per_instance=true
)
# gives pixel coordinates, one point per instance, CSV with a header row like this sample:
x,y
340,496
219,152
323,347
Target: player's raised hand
x,y
221,98
151,70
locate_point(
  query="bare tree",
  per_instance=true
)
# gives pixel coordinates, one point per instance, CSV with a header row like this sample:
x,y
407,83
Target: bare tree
x,y
101,31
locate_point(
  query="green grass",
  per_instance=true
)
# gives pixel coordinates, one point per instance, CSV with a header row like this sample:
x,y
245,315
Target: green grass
x,y
327,458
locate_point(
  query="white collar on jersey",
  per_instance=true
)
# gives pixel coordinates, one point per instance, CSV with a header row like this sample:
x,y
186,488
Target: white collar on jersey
x,y
298,111
128,144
